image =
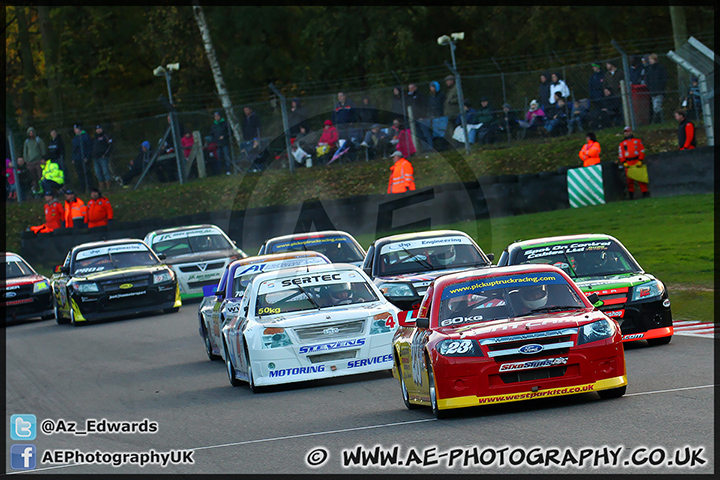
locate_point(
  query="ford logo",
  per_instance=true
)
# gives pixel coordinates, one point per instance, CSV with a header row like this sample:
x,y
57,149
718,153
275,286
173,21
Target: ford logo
x,y
331,330
530,348
125,286
10,294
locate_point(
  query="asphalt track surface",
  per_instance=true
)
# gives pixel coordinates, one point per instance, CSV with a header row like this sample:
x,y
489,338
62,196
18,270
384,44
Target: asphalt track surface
x,y
154,367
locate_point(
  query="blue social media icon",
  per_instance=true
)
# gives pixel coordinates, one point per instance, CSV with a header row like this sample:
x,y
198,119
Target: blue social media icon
x,y
23,427
22,457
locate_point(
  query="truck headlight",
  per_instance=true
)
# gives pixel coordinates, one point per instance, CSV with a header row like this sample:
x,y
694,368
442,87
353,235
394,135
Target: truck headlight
x,y
648,290
595,331
40,286
86,287
275,337
396,290
458,348
162,277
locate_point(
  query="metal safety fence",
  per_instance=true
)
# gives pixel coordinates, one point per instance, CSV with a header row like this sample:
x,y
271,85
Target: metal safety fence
x,y
498,106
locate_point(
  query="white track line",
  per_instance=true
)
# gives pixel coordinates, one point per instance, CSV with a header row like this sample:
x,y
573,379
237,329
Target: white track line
x,y
330,432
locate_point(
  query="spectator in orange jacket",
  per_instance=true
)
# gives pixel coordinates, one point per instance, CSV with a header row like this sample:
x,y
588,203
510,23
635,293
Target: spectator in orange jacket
x,y
99,209
401,174
590,152
75,211
54,215
686,131
631,153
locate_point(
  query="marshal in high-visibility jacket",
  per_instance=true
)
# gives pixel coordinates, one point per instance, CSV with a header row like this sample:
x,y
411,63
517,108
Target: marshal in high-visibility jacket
x,y
52,175
686,131
99,209
401,175
631,153
54,215
75,210
590,152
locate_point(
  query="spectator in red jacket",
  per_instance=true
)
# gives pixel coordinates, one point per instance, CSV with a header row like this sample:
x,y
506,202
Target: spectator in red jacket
x,y
686,131
187,142
99,210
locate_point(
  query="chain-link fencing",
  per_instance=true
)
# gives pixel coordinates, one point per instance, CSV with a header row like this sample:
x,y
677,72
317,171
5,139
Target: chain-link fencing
x,y
508,97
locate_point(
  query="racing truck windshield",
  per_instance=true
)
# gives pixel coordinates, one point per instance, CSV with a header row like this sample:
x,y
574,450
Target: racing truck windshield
x,y
337,248
112,258
495,298
245,273
582,259
14,268
182,243
425,255
312,292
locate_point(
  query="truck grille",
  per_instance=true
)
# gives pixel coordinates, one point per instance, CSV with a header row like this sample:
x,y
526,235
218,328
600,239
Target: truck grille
x,y
509,347
114,285
331,330
329,357
203,283
536,374
196,267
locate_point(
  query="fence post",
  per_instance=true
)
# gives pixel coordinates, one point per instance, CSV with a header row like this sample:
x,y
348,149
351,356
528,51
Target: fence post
x,y
286,128
463,118
502,79
18,189
627,98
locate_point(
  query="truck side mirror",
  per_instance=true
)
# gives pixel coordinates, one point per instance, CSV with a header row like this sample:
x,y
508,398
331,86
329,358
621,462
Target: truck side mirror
x,y
422,323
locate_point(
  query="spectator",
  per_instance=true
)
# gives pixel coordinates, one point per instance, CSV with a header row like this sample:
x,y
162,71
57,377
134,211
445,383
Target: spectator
x,y
102,146
52,178
579,115
452,102
435,123
137,165
75,211
297,116
187,142
612,77
402,139
220,133
656,77
99,210
303,138
54,215
367,114
327,143
23,182
558,85
396,104
485,116
416,101
595,84
344,112
609,111
686,131
510,122
33,153
692,103
534,117
544,91
211,156
631,153
590,152
637,71
56,149
250,129
81,151
10,180
557,122
376,141
401,174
